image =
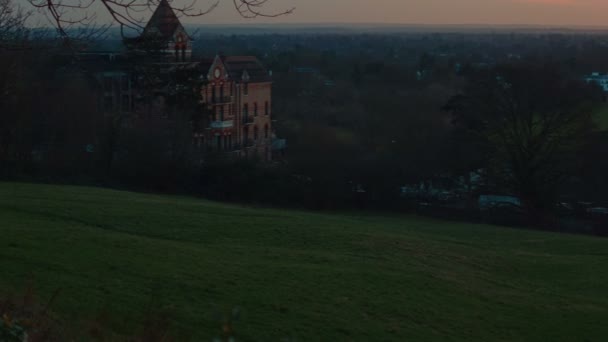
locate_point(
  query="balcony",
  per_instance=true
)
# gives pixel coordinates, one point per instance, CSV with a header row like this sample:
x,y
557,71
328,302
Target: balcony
x,y
222,124
247,120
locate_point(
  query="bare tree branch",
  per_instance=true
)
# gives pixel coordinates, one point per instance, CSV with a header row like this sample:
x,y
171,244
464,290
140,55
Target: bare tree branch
x,y
128,14
12,20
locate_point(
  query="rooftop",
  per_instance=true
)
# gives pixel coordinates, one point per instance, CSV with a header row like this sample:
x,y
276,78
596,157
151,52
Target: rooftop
x,y
163,22
237,65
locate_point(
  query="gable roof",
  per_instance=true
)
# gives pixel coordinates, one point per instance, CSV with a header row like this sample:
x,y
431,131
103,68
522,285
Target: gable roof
x,y
237,66
163,22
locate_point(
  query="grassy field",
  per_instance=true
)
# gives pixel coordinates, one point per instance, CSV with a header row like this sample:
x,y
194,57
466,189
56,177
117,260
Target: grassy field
x,y
297,275
601,118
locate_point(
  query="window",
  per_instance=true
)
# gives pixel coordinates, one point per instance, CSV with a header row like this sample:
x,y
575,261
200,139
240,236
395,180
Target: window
x,y
255,109
222,93
245,110
246,89
255,133
245,134
266,132
266,108
222,113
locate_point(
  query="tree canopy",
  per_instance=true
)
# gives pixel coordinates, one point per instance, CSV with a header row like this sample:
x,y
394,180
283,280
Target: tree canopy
x,y
531,121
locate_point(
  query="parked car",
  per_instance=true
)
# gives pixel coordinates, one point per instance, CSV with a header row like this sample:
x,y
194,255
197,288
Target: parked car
x,y
597,211
487,202
498,209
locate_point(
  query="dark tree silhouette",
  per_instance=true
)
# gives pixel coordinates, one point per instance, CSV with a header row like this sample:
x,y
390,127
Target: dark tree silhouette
x,y
12,22
531,122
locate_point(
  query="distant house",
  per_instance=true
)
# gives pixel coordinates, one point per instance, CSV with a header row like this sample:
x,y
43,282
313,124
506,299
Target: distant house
x,y
278,146
599,79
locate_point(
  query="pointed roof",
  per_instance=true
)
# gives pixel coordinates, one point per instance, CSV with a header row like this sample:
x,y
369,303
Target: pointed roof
x,y
163,22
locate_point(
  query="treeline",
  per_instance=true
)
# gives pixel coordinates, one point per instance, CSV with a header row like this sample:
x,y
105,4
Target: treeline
x,y
357,132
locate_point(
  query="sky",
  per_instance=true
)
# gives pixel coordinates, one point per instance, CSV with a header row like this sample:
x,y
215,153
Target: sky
x,y
434,12
497,12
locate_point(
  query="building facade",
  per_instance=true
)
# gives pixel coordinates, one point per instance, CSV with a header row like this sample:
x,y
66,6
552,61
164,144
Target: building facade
x,y
237,101
233,94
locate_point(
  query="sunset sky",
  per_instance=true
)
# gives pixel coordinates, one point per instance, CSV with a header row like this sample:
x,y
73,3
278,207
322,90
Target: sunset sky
x,y
497,12
542,12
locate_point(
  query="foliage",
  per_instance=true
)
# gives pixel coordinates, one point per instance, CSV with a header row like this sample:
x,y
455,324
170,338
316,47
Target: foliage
x,y
11,331
12,24
532,123
24,319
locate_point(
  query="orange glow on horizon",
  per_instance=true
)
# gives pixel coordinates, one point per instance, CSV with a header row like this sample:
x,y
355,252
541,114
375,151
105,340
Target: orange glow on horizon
x,y
433,12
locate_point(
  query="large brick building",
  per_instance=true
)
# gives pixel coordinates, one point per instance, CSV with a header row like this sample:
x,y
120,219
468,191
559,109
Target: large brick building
x,y
234,92
237,97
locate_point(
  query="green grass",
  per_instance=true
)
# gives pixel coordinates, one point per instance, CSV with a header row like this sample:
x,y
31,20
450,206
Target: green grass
x,y
302,275
601,118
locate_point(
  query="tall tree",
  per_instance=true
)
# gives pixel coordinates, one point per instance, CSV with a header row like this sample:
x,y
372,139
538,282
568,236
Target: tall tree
x,y
531,122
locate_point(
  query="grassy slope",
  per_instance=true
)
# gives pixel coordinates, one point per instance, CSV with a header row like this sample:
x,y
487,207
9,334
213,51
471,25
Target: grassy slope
x,y
304,275
601,118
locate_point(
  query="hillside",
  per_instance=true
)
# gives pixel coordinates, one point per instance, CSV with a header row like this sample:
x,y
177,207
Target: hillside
x,y
601,118
298,275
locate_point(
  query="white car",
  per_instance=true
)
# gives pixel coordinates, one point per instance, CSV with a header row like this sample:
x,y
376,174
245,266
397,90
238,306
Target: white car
x,y
598,210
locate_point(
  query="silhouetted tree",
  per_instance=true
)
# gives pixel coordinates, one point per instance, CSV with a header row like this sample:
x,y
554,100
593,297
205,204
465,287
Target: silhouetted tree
x,y
531,122
12,22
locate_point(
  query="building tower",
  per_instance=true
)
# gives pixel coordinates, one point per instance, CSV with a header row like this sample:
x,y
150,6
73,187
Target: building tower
x,y
164,37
